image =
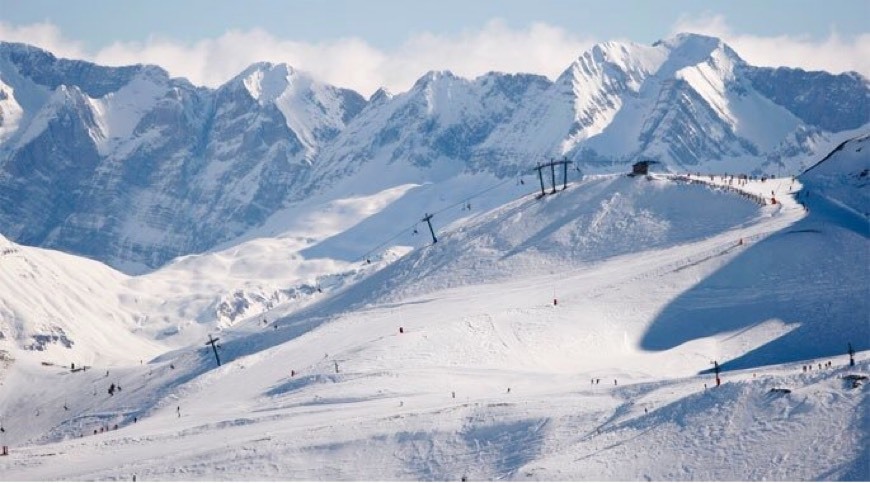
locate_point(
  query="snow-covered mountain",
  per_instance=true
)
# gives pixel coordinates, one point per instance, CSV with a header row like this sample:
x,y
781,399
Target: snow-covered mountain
x,y
128,166
131,167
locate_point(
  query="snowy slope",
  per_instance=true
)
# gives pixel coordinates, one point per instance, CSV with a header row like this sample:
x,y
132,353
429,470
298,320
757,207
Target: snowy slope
x,y
64,309
488,377
842,176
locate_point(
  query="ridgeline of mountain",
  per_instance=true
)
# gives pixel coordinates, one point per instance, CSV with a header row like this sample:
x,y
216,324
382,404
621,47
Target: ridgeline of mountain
x,y
132,167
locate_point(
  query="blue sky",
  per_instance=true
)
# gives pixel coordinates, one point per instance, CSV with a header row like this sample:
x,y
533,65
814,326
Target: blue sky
x,y
209,41
387,23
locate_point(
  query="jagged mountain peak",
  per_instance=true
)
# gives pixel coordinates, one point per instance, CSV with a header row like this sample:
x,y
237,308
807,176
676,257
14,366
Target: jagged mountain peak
x,y
434,77
19,48
266,66
284,85
633,62
687,49
613,60
382,92
43,68
266,81
691,41
381,95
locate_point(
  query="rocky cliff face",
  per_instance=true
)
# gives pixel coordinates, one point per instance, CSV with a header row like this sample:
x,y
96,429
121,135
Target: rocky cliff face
x,y
132,167
129,166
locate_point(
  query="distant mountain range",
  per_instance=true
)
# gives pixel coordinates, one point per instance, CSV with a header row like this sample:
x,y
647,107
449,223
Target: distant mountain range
x,y
133,168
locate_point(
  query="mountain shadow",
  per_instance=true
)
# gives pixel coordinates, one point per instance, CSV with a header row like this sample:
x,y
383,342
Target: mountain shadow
x,y
812,276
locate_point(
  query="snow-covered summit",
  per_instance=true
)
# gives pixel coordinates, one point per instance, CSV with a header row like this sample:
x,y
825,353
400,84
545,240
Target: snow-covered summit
x,y
381,95
267,81
314,111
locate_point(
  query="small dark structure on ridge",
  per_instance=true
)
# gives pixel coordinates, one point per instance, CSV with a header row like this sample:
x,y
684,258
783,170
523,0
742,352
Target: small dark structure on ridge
x,y
641,168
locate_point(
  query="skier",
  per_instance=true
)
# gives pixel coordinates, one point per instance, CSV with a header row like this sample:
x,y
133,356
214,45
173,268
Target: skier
x,y
401,330
178,410
112,389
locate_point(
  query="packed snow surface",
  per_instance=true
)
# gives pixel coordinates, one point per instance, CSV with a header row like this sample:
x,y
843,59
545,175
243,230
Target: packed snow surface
x,y
563,337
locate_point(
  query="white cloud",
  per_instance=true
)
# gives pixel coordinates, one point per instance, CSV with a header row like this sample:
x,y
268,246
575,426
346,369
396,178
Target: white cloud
x,y
45,35
833,54
541,49
353,63
348,62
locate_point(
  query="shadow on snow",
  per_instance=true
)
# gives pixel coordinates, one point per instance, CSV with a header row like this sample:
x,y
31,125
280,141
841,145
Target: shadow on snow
x,y
812,276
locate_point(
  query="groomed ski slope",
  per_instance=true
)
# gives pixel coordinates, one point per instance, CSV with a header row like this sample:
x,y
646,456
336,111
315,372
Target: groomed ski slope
x,y
492,380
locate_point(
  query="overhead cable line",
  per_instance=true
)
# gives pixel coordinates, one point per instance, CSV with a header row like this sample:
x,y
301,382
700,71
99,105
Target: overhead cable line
x,y
464,201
